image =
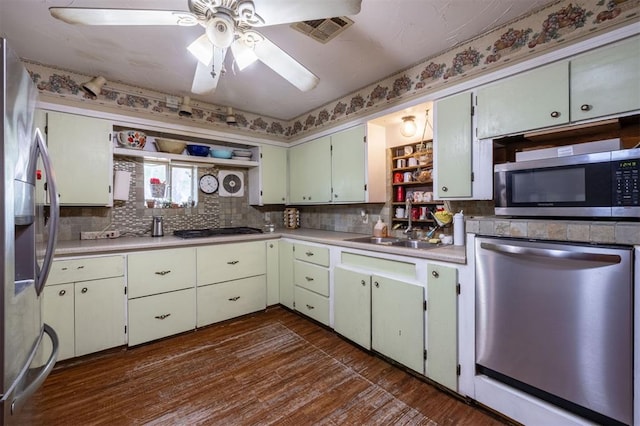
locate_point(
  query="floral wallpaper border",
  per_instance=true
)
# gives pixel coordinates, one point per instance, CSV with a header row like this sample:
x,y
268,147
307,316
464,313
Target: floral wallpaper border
x,y
551,27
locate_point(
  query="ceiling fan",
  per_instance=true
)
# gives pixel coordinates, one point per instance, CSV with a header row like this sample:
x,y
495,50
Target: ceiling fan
x,y
227,24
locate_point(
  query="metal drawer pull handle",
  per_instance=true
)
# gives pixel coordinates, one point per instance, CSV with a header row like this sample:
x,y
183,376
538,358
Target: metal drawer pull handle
x,y
377,284
310,307
435,274
363,283
64,269
80,267
233,299
163,273
84,290
555,114
308,278
161,317
309,253
233,262
62,292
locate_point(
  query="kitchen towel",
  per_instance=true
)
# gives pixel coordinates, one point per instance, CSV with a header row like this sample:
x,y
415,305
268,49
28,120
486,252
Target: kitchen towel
x,y
121,182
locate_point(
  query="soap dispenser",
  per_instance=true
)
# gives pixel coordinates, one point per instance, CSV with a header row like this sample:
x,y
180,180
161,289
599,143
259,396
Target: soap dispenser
x,y
380,229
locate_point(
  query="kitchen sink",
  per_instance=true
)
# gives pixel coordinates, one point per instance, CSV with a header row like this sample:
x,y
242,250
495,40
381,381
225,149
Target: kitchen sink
x,y
396,242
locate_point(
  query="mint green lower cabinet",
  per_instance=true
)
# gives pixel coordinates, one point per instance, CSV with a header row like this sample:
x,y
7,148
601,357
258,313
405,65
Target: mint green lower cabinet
x,y
312,305
442,328
397,321
230,299
286,257
352,305
273,272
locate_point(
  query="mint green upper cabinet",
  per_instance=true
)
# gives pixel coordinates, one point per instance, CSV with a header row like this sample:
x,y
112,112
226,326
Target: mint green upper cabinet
x,y
348,157
532,100
452,145
442,325
310,172
268,182
606,81
81,154
397,321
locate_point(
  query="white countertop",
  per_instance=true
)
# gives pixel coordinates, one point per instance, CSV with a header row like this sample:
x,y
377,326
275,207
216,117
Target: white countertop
x,y
445,253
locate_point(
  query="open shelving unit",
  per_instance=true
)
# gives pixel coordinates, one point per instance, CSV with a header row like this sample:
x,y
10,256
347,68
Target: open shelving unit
x,y
405,152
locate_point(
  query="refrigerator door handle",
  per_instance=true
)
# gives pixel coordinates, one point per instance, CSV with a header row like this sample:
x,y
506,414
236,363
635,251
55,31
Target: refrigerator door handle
x,y
54,218
32,387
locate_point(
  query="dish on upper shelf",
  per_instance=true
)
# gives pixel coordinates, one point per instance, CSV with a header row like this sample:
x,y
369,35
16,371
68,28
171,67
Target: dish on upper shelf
x,y
132,139
170,146
241,153
199,150
221,153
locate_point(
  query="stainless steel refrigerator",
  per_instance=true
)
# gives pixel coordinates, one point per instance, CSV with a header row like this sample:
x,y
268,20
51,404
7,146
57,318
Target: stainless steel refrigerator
x,y
27,241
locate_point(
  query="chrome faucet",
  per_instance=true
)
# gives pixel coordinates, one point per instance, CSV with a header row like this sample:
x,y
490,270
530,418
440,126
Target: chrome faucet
x,y
409,231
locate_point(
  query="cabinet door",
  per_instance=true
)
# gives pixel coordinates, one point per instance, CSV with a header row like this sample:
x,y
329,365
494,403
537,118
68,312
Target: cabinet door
x,y
348,158
442,325
161,271
226,262
81,153
273,164
286,273
219,302
310,172
531,100
99,315
273,273
352,306
57,311
453,147
605,81
397,321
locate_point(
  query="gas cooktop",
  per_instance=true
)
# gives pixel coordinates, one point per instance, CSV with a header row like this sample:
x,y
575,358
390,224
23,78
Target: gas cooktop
x,y
213,232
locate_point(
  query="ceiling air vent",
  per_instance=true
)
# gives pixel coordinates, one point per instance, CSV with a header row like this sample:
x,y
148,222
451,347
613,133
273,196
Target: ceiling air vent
x,y
323,30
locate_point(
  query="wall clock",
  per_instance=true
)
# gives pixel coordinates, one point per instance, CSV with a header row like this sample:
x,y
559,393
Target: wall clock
x,y
208,184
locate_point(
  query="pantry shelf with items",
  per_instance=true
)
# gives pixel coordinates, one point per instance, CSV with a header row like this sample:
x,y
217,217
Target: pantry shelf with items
x,y
412,185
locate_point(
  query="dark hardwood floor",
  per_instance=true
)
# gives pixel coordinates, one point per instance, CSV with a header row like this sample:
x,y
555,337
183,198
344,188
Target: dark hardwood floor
x,y
272,367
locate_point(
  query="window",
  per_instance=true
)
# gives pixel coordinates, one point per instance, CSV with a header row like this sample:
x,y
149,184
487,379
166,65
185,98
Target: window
x,y
170,185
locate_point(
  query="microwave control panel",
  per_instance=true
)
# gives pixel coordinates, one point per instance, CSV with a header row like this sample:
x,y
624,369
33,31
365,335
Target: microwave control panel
x,y
626,182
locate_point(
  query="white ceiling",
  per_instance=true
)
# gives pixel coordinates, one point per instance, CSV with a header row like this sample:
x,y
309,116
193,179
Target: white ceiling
x,y
388,36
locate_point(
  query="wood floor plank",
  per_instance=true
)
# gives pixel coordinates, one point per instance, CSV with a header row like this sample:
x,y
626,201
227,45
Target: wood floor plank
x,y
273,367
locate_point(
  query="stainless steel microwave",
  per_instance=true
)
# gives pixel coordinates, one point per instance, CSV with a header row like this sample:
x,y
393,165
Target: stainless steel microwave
x,y
602,184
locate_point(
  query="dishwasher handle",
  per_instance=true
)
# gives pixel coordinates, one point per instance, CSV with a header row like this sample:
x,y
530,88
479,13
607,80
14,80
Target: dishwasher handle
x,y
552,253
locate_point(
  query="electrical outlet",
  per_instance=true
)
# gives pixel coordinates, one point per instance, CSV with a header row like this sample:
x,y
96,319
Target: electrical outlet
x,y
99,235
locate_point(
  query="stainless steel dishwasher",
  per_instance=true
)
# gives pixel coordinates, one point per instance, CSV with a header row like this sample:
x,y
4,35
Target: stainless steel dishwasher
x,y
555,320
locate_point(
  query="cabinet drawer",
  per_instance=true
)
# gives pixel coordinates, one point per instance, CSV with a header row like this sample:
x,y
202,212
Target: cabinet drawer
x,y
218,302
312,305
311,277
312,254
226,262
161,271
91,268
162,315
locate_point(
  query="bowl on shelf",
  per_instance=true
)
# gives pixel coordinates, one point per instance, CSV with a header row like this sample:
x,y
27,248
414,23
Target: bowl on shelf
x,y
242,153
199,150
170,146
132,139
221,153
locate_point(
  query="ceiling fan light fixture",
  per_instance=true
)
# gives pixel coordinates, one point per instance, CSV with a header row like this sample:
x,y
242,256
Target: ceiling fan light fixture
x,y
220,30
185,108
94,86
242,54
201,49
408,128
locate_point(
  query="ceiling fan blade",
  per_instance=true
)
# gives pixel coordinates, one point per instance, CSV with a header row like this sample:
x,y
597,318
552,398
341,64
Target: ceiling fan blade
x,y
89,16
206,77
202,49
276,12
279,61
